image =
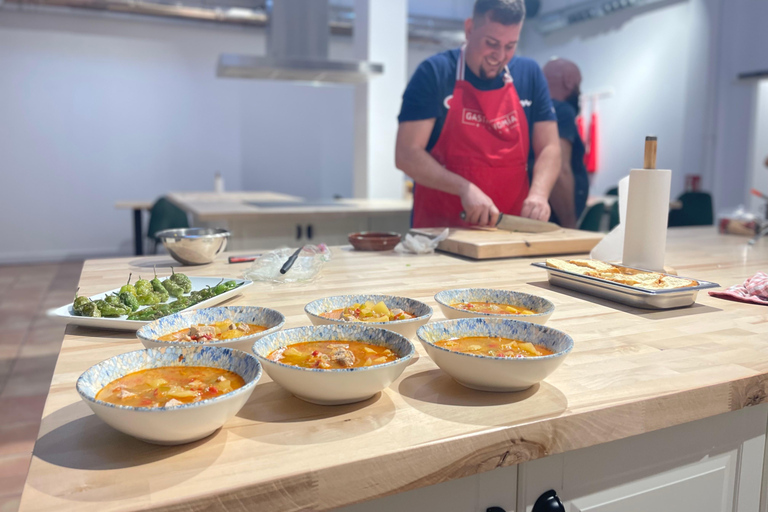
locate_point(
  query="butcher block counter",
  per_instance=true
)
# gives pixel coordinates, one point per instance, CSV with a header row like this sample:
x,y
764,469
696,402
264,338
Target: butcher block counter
x,y
631,372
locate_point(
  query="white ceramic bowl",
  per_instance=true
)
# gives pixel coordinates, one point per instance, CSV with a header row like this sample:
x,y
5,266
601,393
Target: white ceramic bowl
x,y
176,424
543,307
335,387
269,318
405,327
488,373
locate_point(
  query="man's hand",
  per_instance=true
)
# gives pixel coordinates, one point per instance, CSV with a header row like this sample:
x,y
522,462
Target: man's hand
x,y
536,207
479,208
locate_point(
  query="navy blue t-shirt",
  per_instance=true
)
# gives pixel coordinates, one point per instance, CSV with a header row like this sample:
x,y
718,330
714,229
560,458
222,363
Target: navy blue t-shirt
x,y
566,127
434,79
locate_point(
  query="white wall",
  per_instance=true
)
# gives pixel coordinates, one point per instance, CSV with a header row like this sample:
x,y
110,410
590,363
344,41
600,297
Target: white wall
x,y
758,176
743,47
650,58
99,108
95,110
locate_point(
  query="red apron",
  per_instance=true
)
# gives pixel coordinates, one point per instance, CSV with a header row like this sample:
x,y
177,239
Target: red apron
x,y
485,140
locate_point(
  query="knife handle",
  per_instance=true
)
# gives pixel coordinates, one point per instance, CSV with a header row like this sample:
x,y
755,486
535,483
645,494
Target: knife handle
x,y
241,259
464,216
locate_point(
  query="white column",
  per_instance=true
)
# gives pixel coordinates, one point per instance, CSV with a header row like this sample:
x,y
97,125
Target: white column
x,y
381,36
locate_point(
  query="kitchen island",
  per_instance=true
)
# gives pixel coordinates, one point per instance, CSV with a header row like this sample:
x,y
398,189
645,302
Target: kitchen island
x,y
688,383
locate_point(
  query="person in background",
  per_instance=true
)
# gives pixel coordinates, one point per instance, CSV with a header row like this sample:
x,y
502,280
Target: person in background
x,y
467,120
569,195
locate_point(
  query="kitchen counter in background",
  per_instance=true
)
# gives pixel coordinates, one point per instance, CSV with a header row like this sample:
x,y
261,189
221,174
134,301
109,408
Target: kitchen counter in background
x,y
266,220
655,406
258,220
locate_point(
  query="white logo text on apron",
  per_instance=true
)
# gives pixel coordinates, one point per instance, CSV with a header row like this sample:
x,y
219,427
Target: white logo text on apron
x,y
477,119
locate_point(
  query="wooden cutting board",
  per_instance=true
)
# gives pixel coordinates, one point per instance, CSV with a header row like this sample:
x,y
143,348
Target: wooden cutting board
x,y
485,243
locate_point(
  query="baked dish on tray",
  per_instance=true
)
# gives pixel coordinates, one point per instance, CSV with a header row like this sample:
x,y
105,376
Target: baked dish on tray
x,y
623,275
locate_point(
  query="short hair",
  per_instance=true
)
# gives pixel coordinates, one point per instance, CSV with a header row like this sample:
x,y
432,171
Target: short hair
x,y
506,12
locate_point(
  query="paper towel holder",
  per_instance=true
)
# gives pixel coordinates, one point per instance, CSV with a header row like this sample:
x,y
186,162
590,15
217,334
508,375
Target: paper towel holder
x,y
649,161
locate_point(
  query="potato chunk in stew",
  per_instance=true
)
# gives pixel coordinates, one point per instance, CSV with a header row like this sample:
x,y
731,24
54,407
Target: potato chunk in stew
x,y
493,308
367,312
170,385
332,355
494,347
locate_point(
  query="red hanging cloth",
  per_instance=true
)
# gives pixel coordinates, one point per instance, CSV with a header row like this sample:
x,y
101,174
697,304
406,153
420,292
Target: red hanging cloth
x,y
591,155
580,127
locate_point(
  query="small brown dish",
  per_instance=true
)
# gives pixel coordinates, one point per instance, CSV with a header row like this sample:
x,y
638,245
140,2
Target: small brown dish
x,y
373,241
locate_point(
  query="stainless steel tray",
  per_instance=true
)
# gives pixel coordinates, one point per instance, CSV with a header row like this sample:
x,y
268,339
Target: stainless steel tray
x,y
637,297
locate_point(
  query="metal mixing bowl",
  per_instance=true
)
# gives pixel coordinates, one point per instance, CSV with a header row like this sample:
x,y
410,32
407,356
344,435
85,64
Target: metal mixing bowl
x,y
194,246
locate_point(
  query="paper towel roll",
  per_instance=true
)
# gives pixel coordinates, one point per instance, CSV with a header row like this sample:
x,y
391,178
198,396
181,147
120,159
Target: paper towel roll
x,y
645,232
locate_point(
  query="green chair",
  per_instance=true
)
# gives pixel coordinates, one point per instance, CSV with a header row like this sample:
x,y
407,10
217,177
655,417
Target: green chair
x,y
696,210
592,217
613,215
165,215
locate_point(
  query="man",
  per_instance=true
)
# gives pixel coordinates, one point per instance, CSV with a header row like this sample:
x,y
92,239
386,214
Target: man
x,y
569,195
465,124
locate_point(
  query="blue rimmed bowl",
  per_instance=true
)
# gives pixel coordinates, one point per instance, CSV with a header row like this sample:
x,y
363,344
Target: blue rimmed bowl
x,y
407,328
269,318
487,373
335,387
447,298
176,424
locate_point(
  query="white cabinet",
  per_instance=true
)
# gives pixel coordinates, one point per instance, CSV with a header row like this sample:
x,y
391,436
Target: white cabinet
x,y
476,493
291,230
715,464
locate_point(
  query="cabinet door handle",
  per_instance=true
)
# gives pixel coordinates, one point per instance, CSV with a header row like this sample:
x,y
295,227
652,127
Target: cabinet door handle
x,y
310,230
548,502
298,231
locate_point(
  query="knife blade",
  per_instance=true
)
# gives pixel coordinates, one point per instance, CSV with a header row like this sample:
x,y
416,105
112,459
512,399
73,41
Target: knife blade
x,y
525,225
522,224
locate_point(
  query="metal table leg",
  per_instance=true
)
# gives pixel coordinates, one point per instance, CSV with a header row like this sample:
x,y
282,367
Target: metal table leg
x,y
138,238
762,233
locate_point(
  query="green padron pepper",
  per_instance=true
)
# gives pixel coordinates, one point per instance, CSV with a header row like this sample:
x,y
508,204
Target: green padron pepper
x,y
90,309
110,310
159,289
181,280
79,303
173,289
148,299
128,287
130,300
224,287
143,287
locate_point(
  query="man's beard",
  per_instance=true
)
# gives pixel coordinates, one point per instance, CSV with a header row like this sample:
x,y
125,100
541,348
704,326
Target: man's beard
x,y
484,75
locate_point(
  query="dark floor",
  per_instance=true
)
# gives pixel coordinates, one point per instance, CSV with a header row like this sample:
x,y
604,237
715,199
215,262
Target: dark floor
x,y
29,346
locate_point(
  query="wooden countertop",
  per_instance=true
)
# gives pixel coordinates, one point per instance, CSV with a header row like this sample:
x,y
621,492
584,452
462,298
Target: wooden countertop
x,y
210,206
631,371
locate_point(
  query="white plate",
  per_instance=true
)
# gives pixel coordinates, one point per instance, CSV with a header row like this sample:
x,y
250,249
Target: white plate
x,y
122,323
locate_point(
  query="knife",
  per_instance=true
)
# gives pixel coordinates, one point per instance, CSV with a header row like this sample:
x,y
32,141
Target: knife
x,y
523,224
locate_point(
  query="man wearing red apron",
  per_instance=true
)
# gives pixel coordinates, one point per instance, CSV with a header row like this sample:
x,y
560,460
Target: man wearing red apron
x,y
464,133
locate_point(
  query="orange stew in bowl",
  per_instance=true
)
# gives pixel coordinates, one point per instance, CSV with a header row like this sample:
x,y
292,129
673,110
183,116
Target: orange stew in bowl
x,y
494,347
367,312
170,385
332,355
225,330
493,308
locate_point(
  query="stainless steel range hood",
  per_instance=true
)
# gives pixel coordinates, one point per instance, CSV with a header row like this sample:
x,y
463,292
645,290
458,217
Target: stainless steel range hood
x,y
297,49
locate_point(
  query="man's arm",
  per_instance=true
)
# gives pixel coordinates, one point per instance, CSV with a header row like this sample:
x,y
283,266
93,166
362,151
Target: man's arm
x,y
412,158
546,148
562,198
